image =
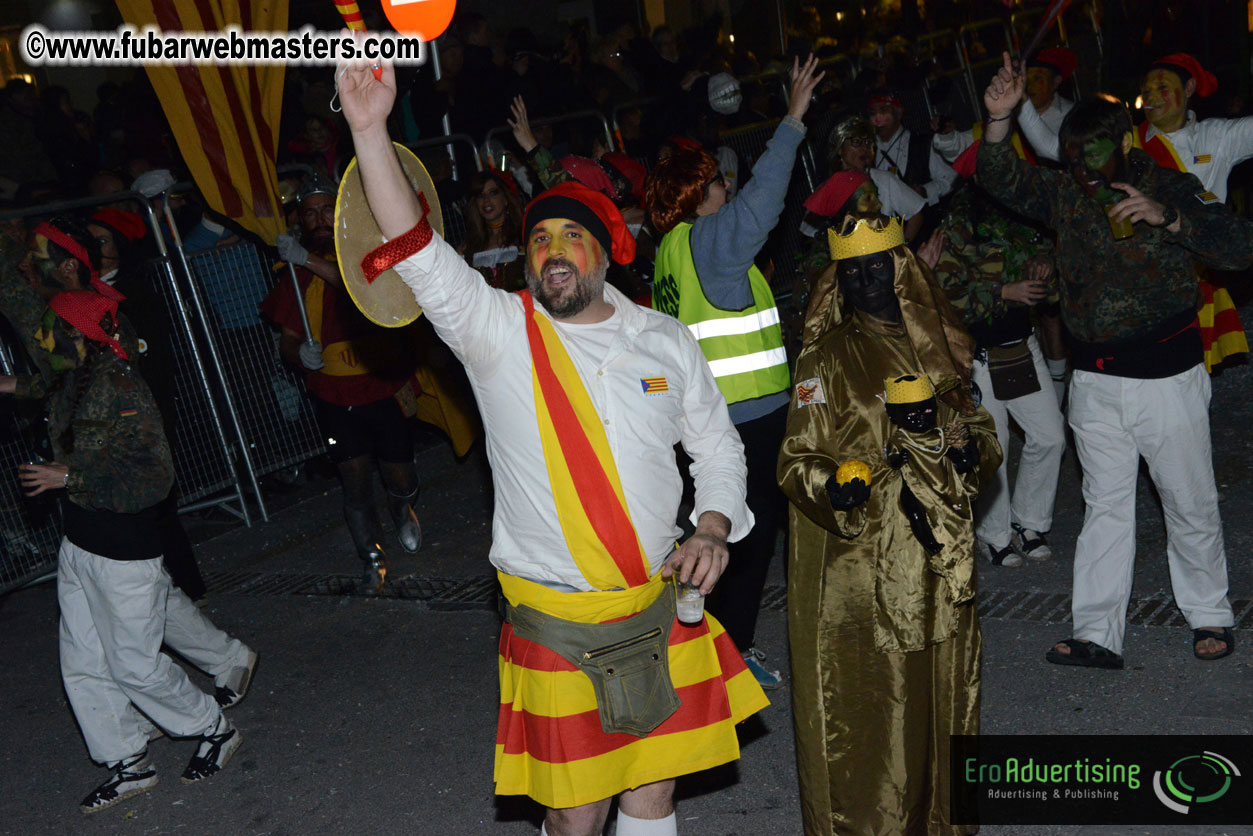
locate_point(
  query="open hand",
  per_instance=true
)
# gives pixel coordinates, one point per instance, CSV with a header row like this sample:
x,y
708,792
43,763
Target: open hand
x,y
1005,90
804,82
1025,292
521,125
37,478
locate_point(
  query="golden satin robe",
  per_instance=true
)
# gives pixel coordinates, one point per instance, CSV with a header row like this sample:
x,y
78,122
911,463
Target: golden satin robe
x,y
885,638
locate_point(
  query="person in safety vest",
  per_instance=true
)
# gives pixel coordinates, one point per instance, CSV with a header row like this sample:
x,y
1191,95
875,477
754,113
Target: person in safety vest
x,y
583,395
705,276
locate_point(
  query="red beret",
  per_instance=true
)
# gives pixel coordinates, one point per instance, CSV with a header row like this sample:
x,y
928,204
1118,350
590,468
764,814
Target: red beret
x,y
128,224
1061,60
588,207
91,314
1206,83
587,172
834,193
966,162
633,171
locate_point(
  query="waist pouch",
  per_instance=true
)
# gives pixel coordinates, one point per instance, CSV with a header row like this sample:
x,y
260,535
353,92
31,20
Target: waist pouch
x,y
1012,370
628,661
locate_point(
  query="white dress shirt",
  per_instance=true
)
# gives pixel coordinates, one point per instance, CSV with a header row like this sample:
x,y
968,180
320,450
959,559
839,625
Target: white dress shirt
x,y
897,198
1210,148
940,175
1040,129
485,327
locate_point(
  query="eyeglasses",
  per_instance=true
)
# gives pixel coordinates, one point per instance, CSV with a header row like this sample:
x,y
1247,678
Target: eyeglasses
x,y
859,141
718,178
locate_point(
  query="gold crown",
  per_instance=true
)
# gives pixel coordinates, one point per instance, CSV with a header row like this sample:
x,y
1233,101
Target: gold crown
x,y
865,240
908,388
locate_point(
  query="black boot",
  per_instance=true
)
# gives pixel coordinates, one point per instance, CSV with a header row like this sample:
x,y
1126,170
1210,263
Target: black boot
x,y
408,529
363,525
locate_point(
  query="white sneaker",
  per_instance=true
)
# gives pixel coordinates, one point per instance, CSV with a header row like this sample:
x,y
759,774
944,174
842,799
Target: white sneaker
x,y
1029,543
1002,556
131,776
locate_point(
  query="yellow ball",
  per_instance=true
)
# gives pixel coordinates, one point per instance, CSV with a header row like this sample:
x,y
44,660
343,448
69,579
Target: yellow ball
x,y
853,470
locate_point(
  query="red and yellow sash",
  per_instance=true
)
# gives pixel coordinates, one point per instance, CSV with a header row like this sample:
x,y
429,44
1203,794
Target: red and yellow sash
x,y
1222,333
591,506
1015,139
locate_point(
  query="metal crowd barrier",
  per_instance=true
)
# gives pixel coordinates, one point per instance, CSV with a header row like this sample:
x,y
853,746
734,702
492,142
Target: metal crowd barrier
x,y
274,420
599,120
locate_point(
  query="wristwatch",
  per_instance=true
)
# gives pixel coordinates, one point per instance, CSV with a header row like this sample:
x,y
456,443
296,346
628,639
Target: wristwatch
x,y
1169,215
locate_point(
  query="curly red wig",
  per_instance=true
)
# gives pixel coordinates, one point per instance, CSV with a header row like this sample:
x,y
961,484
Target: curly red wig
x,y
676,186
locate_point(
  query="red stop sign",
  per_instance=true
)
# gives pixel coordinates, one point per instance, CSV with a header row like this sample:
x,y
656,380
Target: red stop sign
x,y
426,19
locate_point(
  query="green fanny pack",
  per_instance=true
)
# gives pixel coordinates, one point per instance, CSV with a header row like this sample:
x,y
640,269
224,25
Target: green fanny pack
x,y
627,661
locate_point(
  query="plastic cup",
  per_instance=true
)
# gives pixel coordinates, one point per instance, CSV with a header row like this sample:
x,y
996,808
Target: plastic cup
x,y
690,604
1122,229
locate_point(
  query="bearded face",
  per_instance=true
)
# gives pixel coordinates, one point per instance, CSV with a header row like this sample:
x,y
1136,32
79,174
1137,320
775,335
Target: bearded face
x,y
565,267
317,223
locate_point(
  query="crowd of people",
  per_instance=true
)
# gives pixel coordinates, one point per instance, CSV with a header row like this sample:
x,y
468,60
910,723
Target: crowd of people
x,y
652,417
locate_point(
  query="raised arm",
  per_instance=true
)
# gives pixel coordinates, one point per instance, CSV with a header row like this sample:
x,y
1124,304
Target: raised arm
x,y
1025,188
367,101
1042,139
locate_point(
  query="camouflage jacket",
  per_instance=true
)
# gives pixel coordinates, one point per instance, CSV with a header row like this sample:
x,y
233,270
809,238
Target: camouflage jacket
x,y
984,248
119,459
1120,290
546,166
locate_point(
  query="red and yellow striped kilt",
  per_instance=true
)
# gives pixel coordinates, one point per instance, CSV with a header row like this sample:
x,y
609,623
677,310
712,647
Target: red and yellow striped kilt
x,y
1222,333
549,742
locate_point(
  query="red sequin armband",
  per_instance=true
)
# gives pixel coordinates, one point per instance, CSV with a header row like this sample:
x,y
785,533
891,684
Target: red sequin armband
x,y
398,249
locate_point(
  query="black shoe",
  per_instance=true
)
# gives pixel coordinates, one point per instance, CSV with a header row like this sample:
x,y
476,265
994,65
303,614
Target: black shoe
x,y
212,754
408,529
131,776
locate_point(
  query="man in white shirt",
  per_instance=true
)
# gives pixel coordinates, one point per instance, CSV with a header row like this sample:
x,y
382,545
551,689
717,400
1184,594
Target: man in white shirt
x,y
583,396
910,157
1041,115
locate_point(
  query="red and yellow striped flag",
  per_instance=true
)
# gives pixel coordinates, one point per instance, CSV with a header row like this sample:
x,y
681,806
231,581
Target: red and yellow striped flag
x,y
226,116
350,13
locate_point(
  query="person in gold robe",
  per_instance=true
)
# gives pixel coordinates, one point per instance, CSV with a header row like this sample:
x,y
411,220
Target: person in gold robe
x,y
884,633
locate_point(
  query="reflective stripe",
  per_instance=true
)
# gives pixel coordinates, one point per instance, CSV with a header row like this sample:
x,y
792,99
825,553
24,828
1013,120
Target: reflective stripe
x,y
727,326
749,362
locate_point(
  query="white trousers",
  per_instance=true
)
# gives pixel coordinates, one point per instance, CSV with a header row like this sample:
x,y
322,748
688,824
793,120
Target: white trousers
x,y
1035,486
1116,420
115,614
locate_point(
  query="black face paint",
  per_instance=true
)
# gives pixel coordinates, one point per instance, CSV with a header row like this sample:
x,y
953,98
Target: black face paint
x,y
917,417
868,283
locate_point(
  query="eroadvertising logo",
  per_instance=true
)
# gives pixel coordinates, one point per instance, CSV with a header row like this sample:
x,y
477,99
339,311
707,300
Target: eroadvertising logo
x,y
1113,779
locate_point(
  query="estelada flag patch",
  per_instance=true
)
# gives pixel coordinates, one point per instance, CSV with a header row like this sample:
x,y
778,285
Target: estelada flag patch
x,y
654,385
809,392
127,413
1201,159
1207,197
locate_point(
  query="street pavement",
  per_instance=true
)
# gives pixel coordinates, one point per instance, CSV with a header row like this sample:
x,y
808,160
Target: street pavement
x,y
376,715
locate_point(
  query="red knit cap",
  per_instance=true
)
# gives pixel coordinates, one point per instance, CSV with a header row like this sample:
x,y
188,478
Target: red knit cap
x,y
128,224
635,173
834,193
91,314
1206,83
588,207
1059,59
587,172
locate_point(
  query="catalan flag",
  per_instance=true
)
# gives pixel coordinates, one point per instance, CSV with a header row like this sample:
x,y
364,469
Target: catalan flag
x,y
1201,159
654,385
225,117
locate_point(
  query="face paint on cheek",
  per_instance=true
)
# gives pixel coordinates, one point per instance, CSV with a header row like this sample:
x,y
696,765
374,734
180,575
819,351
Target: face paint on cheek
x,y
1097,153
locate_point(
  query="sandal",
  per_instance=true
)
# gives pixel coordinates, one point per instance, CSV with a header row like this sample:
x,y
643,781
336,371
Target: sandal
x,y
1226,636
1085,655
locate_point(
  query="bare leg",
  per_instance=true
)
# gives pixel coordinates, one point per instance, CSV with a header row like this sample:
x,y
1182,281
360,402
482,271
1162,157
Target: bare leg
x,y
587,820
